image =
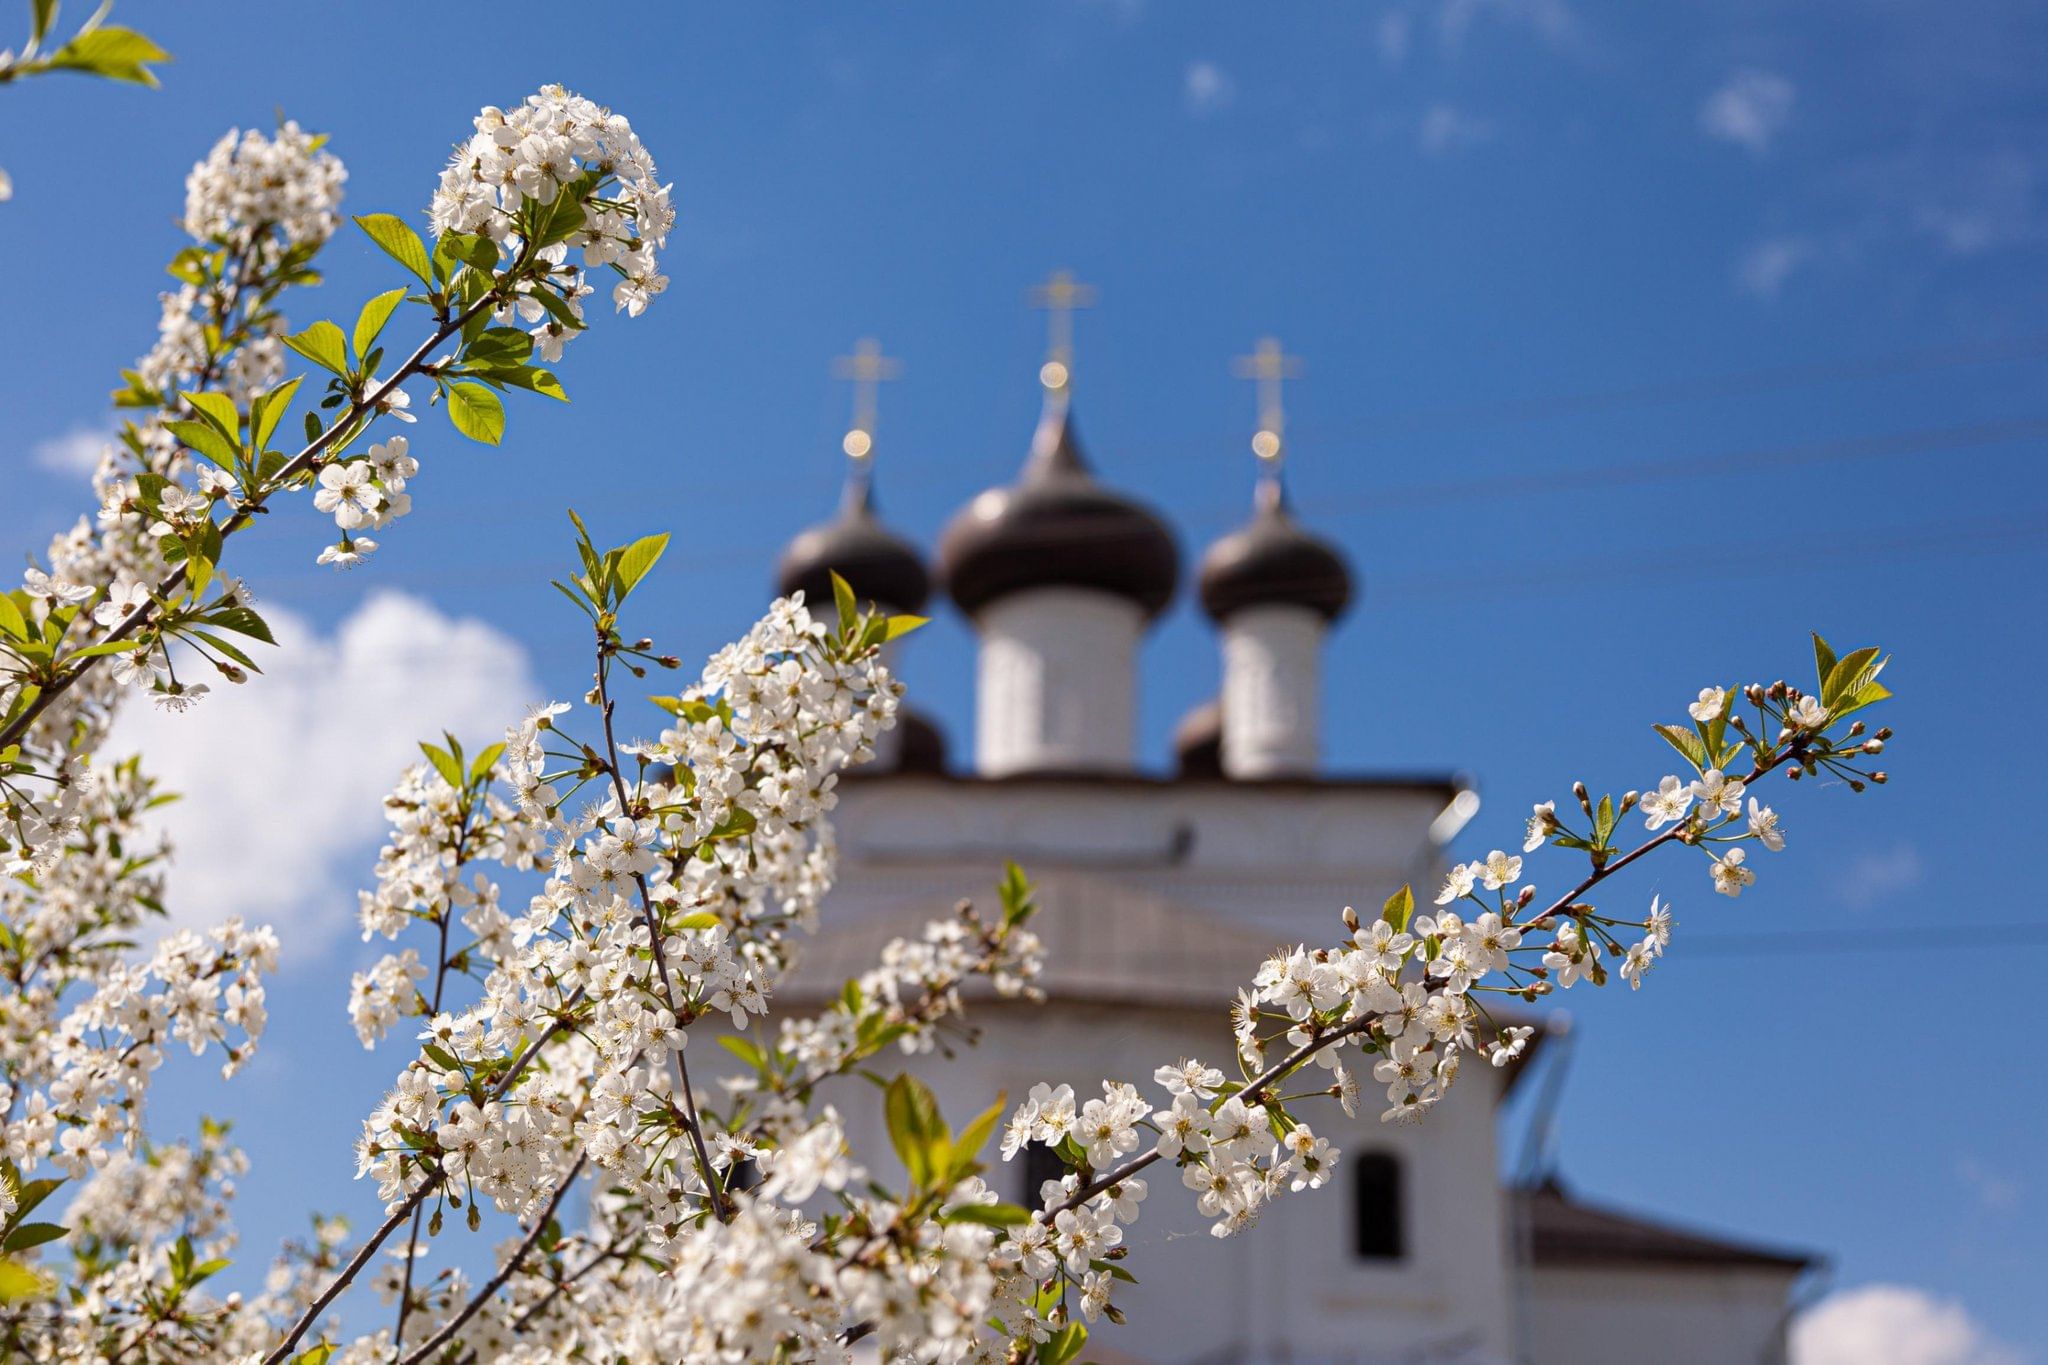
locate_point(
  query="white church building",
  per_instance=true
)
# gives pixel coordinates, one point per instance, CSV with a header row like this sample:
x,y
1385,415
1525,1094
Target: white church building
x,y
1162,891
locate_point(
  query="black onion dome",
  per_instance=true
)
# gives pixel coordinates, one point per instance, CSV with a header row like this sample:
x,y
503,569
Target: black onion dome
x,y
1057,527
879,565
1272,560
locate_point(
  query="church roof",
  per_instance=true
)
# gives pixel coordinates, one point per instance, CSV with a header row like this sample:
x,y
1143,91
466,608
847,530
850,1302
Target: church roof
x,y
1105,942
1057,527
1566,1232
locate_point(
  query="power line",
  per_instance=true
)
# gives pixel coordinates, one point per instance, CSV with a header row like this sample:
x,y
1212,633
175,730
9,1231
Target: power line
x,y
1502,410
1926,441
1859,941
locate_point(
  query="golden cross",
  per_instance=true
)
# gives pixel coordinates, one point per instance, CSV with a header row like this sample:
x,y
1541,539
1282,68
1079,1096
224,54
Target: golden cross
x,y
1060,295
866,367
1269,366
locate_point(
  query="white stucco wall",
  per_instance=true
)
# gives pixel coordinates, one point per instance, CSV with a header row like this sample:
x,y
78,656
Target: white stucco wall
x,y
1056,683
1272,691
1290,1289
1621,1315
1282,860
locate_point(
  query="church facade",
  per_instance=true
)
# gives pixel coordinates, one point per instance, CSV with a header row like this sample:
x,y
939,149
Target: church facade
x,y
1160,895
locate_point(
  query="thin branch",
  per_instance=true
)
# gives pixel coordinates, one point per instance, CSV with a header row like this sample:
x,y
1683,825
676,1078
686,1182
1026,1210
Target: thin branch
x,y
411,1201
721,1208
1257,1087
505,1272
298,464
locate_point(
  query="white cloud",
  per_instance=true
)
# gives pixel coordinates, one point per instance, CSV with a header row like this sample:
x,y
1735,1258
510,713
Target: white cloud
x,y
1750,110
1394,35
76,451
1998,1189
1551,20
283,777
1890,1324
1207,89
1876,877
1766,266
1445,128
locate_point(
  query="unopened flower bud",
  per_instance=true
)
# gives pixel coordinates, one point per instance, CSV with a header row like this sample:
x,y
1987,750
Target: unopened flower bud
x,y
1795,772
1350,919
1522,901
1885,733
1755,693
1854,785
1579,790
1855,728
1778,690
1628,801
1880,777
1873,746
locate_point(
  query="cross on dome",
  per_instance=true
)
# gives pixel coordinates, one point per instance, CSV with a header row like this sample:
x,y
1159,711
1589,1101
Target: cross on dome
x,y
1268,366
1060,295
867,367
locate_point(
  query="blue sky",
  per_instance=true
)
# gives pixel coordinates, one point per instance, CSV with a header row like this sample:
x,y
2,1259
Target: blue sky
x,y
1639,340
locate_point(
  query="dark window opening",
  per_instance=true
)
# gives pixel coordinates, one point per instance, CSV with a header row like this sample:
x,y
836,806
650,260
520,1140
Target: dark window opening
x,y
1377,1233
1040,1164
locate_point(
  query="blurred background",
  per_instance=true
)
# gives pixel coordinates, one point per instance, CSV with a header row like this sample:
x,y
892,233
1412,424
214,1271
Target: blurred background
x,y
1637,341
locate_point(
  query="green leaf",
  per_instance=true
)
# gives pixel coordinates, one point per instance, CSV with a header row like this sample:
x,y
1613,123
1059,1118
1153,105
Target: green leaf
x,y
1399,909
1064,1345
499,347
558,307
484,761
371,320
533,379
746,1049
28,1235
637,559
399,241
1687,742
242,621
12,622
842,595
42,13
1823,660
701,919
1850,673
899,626
916,1130
324,345
973,1138
220,410
119,54
988,1215
476,412
314,1355
444,763
20,1284
206,439
222,645
1603,821
268,411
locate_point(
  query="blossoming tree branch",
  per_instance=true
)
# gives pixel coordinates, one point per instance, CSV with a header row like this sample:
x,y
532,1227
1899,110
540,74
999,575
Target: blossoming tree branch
x,y
567,909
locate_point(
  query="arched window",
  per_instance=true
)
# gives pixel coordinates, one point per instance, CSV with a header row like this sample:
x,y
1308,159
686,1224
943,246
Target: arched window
x,y
1377,1230
1040,1164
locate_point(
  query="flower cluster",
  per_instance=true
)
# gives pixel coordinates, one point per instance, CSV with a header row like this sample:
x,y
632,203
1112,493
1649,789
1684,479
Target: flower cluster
x,y
519,161
1405,994
285,182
